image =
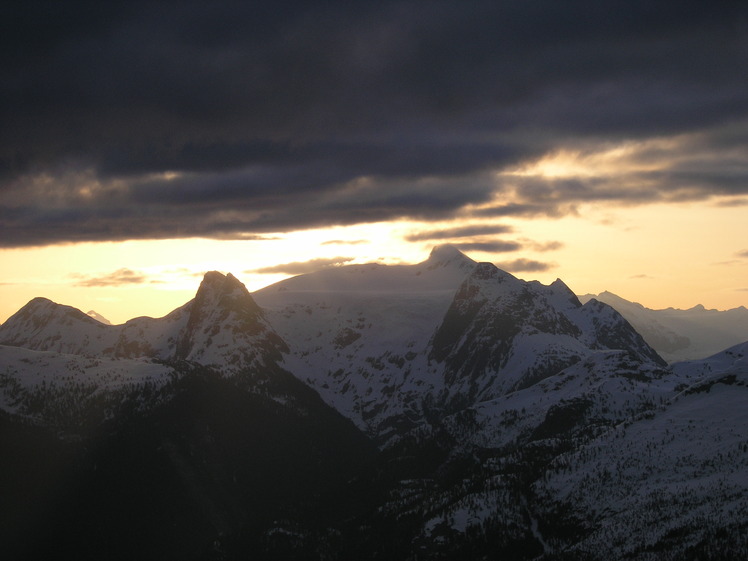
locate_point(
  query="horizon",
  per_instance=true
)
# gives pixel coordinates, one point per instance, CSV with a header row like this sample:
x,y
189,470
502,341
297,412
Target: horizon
x,y
602,143
189,293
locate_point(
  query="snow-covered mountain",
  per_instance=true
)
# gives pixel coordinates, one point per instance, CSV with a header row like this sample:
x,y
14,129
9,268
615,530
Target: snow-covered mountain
x,y
222,327
679,335
391,346
669,484
53,354
496,418
596,462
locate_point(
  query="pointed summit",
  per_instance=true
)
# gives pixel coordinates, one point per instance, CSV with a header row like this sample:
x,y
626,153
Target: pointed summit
x,y
225,291
225,319
448,255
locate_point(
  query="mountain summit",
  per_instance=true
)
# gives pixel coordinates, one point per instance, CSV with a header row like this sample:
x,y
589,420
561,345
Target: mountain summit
x,y
226,327
448,255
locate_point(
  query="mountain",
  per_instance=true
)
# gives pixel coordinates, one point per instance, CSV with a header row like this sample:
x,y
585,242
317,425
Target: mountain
x,y
392,346
440,410
679,335
361,333
222,326
160,438
174,466
671,483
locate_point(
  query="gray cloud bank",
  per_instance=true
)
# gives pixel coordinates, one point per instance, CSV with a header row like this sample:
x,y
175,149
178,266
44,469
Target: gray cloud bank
x,y
119,277
302,267
230,119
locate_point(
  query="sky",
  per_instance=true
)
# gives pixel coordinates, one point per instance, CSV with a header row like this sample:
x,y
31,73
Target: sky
x,y
143,143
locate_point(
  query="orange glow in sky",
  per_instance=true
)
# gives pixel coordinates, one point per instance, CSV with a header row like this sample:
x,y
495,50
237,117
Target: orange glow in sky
x,y
660,255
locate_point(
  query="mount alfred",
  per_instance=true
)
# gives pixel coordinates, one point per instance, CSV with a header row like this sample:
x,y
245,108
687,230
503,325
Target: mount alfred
x,y
439,410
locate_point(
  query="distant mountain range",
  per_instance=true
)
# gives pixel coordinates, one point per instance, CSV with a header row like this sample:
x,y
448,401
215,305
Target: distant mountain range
x,y
682,334
439,410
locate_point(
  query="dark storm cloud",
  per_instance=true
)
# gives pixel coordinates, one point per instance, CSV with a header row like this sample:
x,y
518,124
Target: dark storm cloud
x,y
461,232
302,267
286,115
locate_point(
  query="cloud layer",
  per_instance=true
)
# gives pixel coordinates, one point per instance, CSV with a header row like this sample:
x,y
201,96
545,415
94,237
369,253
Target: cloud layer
x,y
302,267
230,119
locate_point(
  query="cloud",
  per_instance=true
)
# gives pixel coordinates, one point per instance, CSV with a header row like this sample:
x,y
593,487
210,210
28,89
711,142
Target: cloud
x,y
345,242
742,254
160,119
460,232
525,266
641,276
120,277
490,247
302,267
546,246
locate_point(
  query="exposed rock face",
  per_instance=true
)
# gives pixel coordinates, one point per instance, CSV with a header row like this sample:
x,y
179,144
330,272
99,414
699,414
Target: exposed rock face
x,y
226,327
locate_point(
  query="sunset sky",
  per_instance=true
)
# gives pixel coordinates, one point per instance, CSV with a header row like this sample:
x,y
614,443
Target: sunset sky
x,y
144,143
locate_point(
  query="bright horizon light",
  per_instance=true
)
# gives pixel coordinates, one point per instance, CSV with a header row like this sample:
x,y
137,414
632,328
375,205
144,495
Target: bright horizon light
x,y
627,251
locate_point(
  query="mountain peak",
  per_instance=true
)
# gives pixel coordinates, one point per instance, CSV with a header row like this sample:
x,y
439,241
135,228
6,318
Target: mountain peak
x,y
224,315
215,278
216,286
446,255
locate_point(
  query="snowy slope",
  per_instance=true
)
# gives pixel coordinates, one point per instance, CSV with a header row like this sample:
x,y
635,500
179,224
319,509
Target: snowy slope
x,y
67,390
672,479
679,335
359,334
727,362
607,459
47,326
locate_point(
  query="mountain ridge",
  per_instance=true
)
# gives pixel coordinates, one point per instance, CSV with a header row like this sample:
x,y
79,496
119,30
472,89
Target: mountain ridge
x,y
682,334
478,415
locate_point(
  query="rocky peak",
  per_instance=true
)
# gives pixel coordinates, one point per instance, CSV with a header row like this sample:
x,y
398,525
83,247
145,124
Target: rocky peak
x,y
562,295
226,292
224,318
